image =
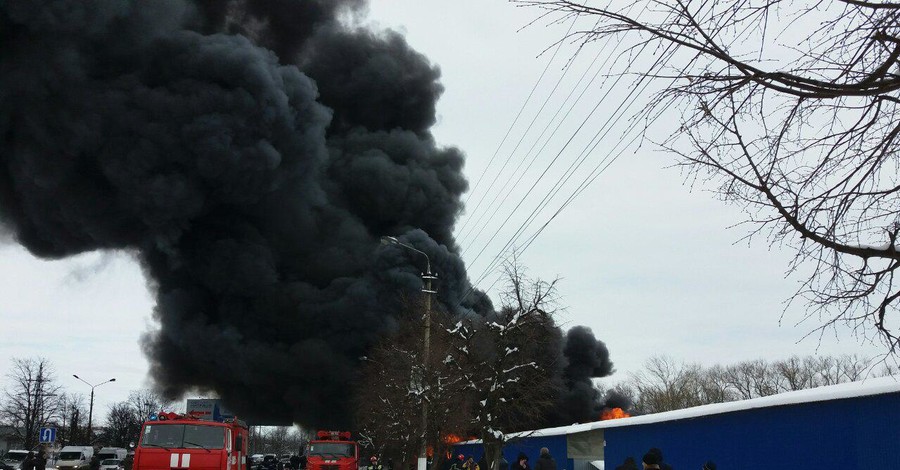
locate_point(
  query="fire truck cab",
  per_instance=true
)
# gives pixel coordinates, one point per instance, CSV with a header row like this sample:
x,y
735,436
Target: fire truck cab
x,y
171,441
332,450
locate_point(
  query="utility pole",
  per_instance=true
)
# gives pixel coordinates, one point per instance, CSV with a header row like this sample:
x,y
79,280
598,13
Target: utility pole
x,y
427,278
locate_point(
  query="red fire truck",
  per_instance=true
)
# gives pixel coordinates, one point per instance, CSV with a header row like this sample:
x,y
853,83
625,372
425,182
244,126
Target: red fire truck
x,y
171,441
332,450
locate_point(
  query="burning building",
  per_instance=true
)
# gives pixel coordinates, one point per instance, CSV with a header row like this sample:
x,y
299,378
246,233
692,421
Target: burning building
x,y
847,426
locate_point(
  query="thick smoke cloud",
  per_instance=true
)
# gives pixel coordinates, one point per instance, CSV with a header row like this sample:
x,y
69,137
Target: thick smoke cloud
x,y
585,358
253,195
250,154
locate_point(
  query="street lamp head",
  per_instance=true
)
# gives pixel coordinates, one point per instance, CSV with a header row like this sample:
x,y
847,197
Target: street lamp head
x,y
112,379
77,377
386,240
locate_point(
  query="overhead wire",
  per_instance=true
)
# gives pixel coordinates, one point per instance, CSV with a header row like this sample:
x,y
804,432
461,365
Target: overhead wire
x,y
592,144
515,181
592,176
604,129
511,126
550,165
606,161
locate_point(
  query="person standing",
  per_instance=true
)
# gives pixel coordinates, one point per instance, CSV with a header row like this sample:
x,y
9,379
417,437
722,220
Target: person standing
x,y
40,462
521,462
458,463
659,457
28,462
628,464
650,461
545,461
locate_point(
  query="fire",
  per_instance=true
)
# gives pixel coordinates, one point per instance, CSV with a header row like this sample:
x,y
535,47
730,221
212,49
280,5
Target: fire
x,y
613,413
452,439
448,440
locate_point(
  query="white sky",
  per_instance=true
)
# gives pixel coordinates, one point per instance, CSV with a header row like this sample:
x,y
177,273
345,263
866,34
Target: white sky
x,y
648,264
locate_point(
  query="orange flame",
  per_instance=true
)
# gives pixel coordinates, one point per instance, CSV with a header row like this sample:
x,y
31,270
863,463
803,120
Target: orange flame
x,y
613,413
448,440
452,439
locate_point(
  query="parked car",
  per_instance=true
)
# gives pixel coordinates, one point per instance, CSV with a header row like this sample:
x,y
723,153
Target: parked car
x,y
14,458
269,462
111,464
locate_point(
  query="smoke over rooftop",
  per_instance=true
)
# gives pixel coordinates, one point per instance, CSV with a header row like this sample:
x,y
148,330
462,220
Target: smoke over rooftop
x,y
250,154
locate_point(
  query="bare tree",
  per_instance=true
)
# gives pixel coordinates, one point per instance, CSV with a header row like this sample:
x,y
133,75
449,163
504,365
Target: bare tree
x,y
752,379
714,385
281,440
486,376
802,135
396,383
795,373
124,420
146,402
122,425
666,384
72,418
32,400
504,361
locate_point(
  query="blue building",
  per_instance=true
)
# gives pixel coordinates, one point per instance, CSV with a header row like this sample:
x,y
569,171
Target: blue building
x,y
847,426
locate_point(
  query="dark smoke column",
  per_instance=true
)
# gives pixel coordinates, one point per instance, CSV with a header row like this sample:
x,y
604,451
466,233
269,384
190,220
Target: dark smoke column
x,y
249,155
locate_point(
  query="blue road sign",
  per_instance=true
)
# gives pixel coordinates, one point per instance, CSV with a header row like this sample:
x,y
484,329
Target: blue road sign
x,y
47,435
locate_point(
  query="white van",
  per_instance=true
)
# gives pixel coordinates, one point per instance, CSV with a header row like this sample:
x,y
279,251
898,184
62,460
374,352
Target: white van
x,y
72,457
117,453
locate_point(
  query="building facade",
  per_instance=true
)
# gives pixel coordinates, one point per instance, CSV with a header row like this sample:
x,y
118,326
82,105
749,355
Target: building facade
x,y
846,426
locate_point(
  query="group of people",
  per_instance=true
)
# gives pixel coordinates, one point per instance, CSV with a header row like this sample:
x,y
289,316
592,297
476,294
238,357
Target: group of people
x,y
545,462
34,461
653,460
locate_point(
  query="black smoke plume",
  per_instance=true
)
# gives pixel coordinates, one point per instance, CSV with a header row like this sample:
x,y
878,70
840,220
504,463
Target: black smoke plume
x,y
584,358
250,154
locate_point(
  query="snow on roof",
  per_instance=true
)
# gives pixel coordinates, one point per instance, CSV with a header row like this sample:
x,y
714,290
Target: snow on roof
x,y
868,387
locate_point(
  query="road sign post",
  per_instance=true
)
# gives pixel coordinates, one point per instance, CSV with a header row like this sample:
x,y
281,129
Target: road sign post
x,y
47,435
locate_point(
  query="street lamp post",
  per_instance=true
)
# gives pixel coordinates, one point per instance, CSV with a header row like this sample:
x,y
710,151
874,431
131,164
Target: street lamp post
x,y
427,278
91,407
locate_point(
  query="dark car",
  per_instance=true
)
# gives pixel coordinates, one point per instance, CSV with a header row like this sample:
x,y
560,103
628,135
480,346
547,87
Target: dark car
x,y
269,462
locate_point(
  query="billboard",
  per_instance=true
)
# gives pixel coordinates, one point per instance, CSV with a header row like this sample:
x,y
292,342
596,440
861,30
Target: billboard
x,y
210,409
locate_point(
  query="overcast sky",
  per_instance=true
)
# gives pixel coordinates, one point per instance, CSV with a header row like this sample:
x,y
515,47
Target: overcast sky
x,y
649,264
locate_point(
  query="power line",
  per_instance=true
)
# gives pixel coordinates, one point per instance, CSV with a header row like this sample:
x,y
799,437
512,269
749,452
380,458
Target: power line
x,y
606,126
592,144
519,114
588,180
503,191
